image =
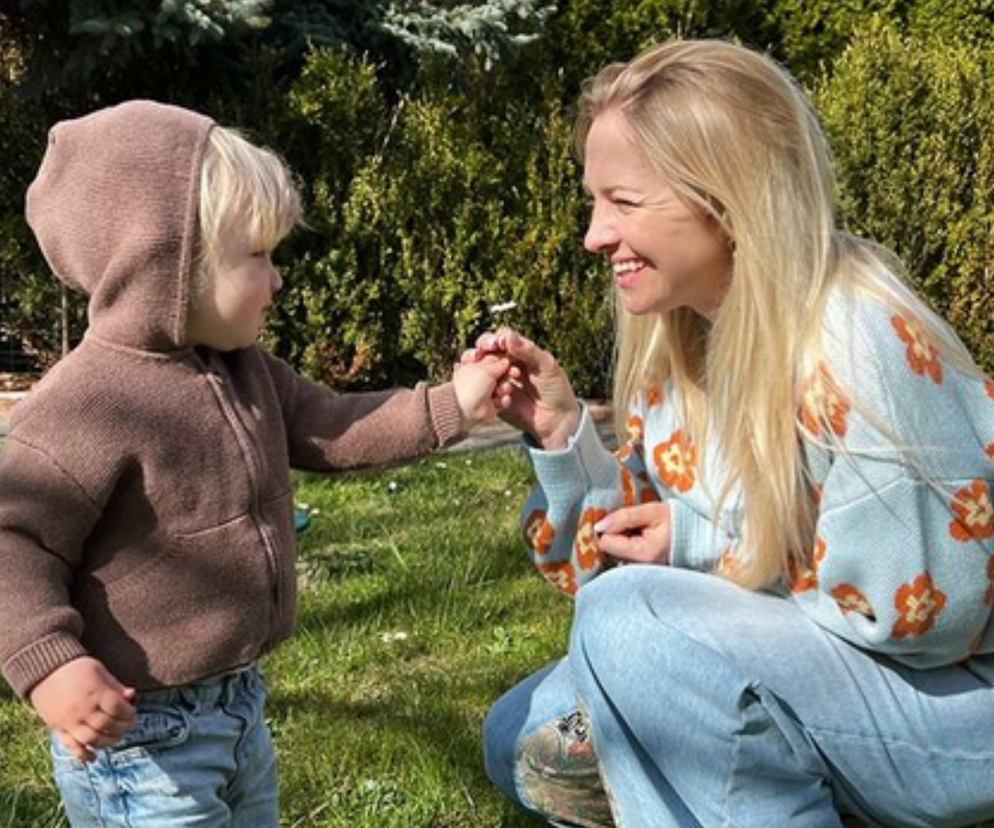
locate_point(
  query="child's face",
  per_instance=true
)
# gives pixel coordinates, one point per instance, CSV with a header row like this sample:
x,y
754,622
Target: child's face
x,y
238,291
665,255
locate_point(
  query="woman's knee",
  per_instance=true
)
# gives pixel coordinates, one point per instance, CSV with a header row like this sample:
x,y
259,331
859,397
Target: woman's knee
x,y
611,610
636,624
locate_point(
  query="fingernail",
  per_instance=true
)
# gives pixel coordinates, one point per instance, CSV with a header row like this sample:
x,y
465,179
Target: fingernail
x,y
602,526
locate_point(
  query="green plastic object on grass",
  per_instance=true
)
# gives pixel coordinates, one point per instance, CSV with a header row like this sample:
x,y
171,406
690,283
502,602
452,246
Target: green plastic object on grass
x,y
301,519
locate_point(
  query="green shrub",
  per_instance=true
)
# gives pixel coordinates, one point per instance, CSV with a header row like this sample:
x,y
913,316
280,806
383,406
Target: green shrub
x,y
912,124
424,213
430,201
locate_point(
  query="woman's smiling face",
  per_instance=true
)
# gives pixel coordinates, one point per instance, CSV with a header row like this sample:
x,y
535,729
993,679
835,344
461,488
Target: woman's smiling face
x,y
665,254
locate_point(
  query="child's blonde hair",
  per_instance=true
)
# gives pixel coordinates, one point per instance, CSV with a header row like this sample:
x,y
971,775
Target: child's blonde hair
x,y
734,136
243,184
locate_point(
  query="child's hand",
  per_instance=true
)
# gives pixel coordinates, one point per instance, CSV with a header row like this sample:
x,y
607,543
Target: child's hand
x,y
85,706
639,534
475,382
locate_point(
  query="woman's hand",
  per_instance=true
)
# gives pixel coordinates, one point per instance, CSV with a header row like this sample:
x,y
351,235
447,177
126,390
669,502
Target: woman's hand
x,y
535,395
639,534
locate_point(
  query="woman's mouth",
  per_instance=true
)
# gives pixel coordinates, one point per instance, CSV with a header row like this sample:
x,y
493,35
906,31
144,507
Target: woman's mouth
x,y
626,273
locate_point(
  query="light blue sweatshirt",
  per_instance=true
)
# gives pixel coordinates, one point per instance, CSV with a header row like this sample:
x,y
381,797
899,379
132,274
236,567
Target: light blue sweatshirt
x,y
904,555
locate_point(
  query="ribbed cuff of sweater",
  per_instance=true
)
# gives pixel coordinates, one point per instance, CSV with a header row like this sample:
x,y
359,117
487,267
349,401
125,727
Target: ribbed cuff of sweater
x,y
446,416
28,667
583,465
695,541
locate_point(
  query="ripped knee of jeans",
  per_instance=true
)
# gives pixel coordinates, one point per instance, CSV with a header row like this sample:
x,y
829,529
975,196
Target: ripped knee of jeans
x,y
558,772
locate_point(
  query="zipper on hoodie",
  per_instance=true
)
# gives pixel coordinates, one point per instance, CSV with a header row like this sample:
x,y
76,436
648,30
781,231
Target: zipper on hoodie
x,y
218,381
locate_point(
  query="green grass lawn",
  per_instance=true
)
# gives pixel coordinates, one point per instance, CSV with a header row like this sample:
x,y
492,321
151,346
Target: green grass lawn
x,y
418,608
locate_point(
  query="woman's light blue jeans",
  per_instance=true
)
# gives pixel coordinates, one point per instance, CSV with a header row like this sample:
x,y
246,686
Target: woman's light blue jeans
x,y
199,755
709,705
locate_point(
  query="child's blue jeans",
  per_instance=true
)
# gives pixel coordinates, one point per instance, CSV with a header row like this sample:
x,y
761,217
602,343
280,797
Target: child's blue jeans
x,y
708,705
197,755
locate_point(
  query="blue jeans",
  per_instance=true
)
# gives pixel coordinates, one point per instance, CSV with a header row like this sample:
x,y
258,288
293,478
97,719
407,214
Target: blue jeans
x,y
709,705
197,755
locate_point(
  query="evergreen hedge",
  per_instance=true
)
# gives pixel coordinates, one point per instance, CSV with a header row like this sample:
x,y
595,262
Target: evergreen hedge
x,y
432,199
911,121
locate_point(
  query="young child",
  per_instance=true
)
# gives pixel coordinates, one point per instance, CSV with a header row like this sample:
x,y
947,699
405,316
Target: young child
x,y
802,633
146,516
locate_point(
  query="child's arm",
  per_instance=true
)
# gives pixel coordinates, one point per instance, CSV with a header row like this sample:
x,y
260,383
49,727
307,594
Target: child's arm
x,y
85,705
329,431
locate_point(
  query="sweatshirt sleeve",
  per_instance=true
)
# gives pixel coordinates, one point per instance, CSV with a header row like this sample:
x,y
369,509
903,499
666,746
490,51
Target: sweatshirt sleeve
x,y
44,518
577,486
903,557
330,431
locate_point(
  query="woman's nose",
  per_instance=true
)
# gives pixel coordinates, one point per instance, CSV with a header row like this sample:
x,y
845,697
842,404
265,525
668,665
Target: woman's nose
x,y
600,234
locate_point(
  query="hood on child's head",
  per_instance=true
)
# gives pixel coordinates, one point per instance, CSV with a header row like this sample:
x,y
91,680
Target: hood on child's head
x,y
114,208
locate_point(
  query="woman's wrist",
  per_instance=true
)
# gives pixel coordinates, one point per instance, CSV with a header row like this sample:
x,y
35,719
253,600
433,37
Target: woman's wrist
x,y
566,427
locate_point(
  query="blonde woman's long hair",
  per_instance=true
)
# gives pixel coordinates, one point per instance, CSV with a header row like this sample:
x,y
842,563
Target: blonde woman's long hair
x,y
735,137
247,186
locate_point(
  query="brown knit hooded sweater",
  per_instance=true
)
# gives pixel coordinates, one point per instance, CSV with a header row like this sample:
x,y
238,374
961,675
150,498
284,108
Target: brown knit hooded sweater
x,y
145,502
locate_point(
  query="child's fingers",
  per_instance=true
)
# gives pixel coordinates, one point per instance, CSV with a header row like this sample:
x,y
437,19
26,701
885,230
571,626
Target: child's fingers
x,y
80,750
489,343
118,719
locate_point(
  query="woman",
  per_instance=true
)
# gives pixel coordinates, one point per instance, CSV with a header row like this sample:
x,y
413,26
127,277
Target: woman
x,y
802,634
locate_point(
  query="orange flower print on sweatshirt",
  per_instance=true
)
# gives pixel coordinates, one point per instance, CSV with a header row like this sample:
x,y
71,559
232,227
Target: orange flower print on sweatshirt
x,y
803,578
824,407
676,462
919,603
538,532
649,493
588,554
973,513
628,487
922,354
636,489
654,395
560,575
635,428
852,600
